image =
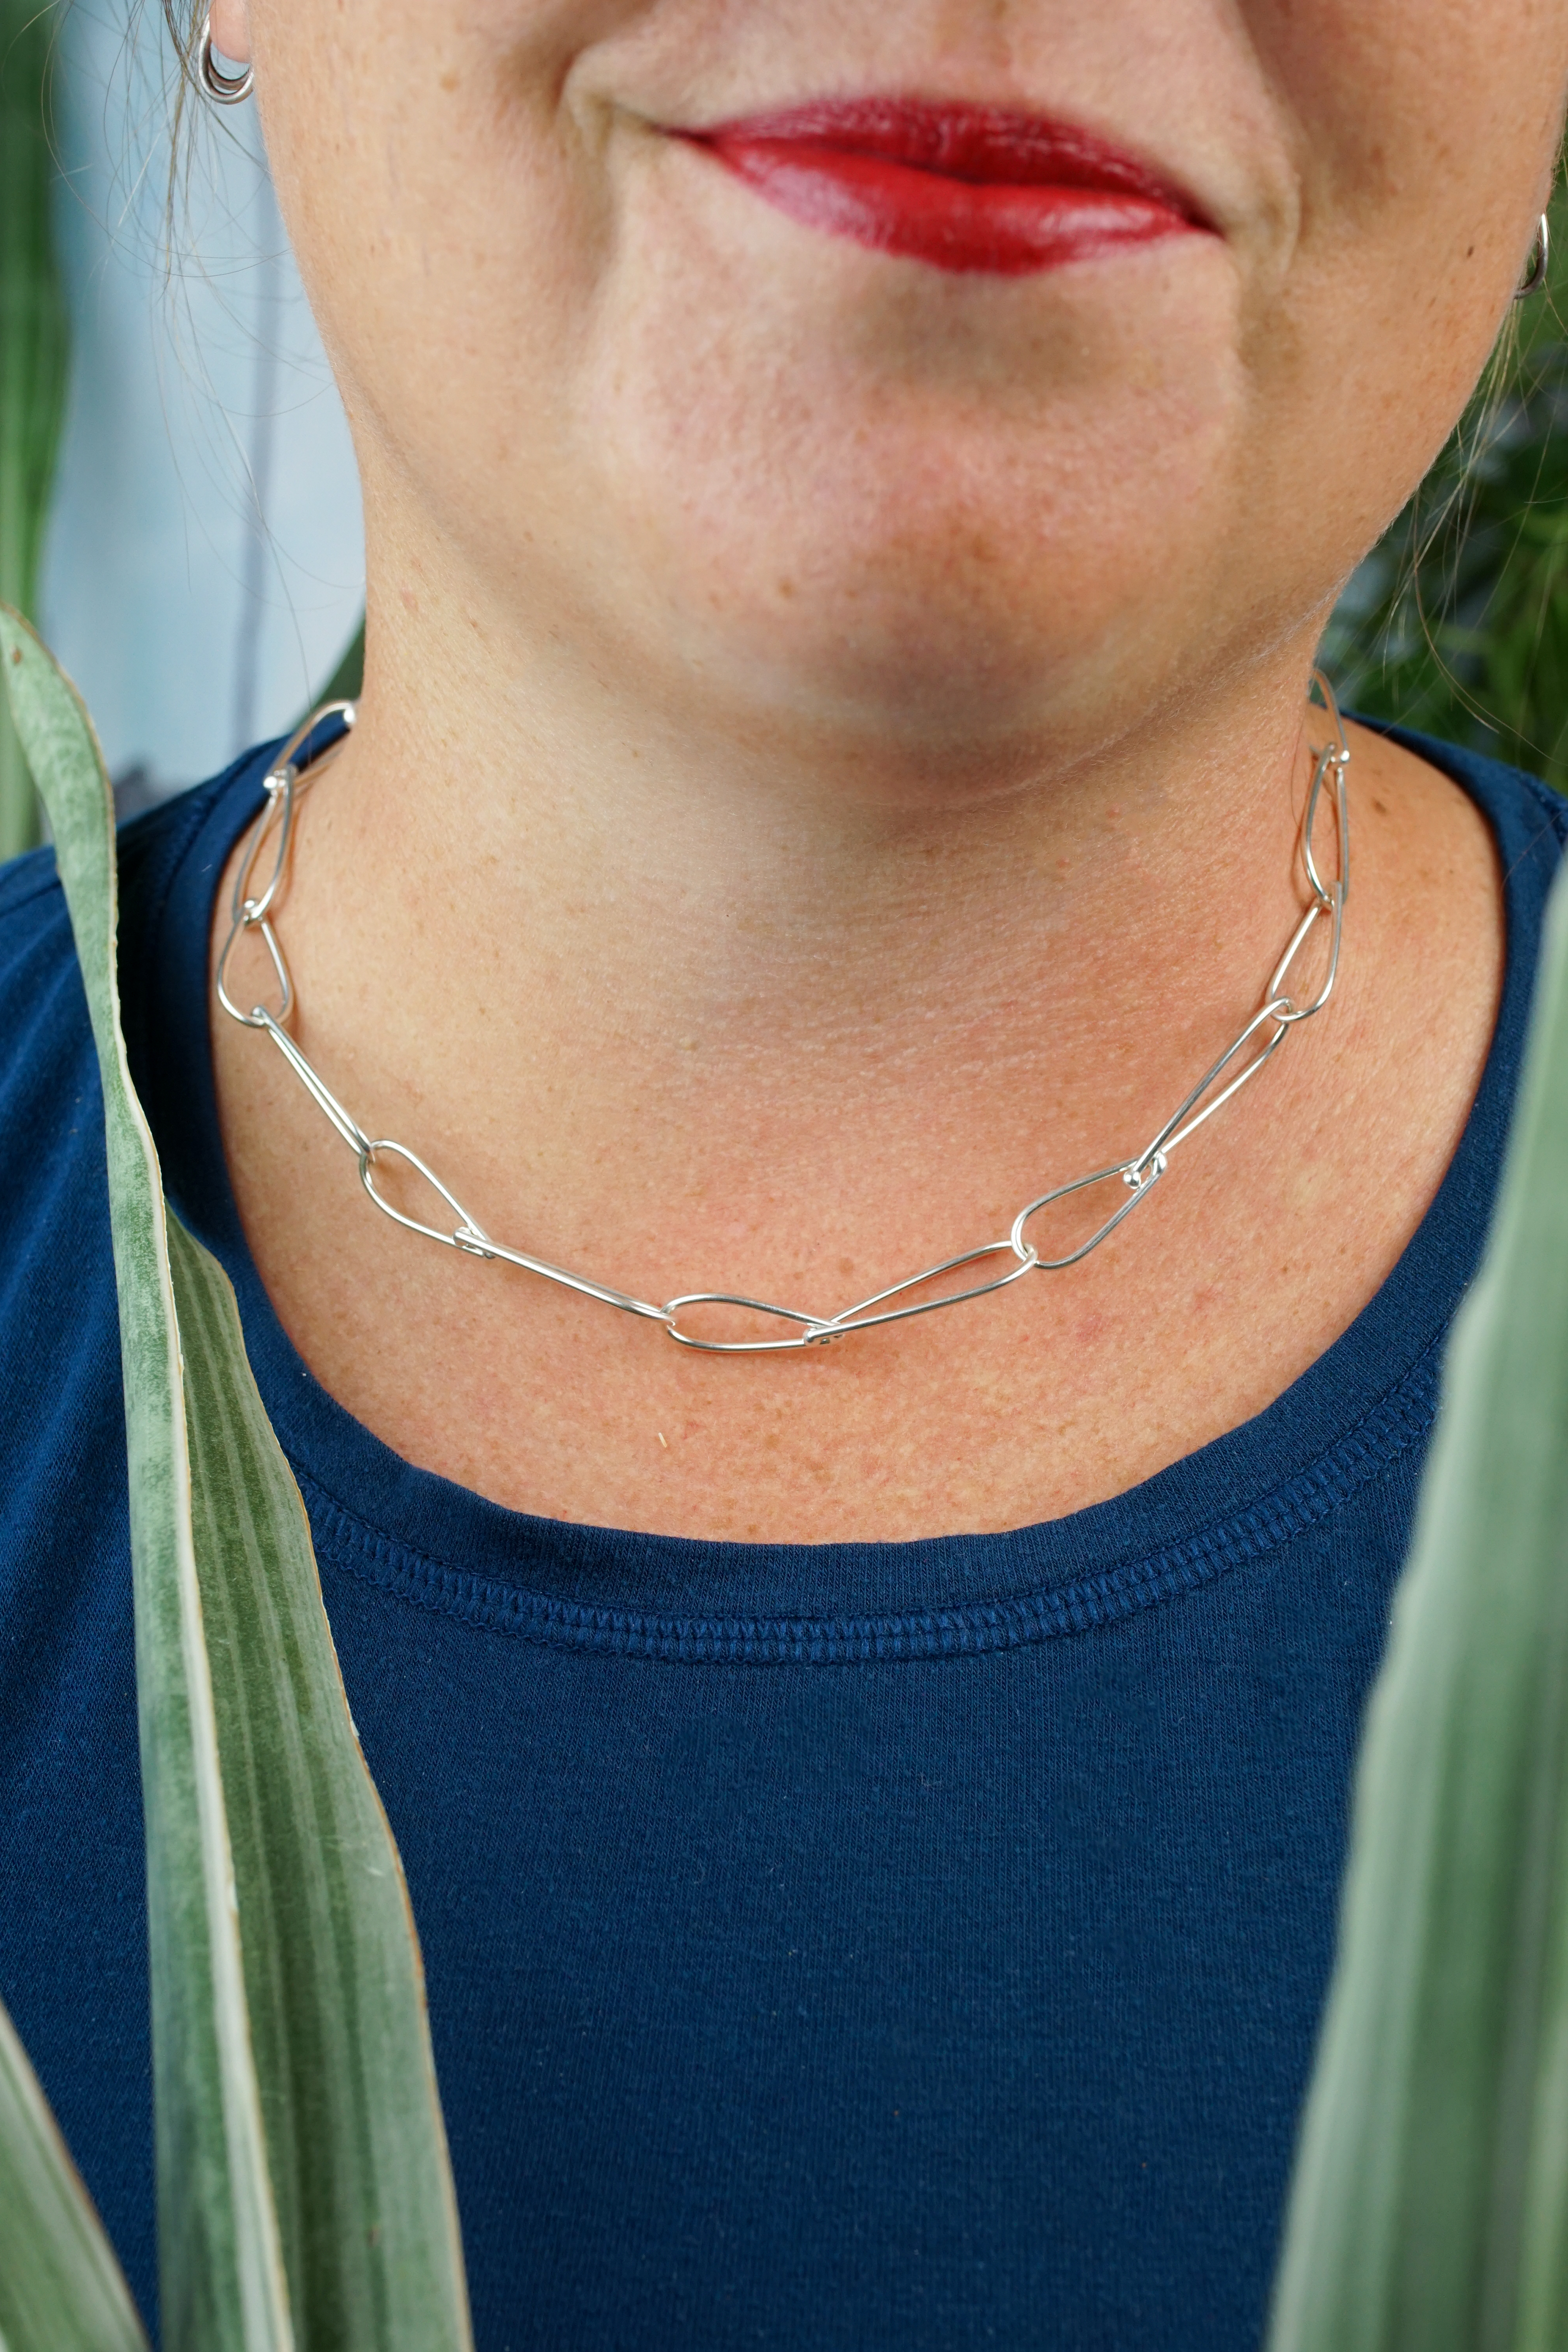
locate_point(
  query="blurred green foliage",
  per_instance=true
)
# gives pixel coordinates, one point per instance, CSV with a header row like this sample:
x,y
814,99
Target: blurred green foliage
x,y
1457,624
347,679
33,353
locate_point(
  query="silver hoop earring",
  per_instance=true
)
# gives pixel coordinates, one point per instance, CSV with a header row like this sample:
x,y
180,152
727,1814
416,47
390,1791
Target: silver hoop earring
x,y
1540,254
224,90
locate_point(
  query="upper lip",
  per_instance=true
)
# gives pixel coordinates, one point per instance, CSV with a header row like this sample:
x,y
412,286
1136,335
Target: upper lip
x,y
957,140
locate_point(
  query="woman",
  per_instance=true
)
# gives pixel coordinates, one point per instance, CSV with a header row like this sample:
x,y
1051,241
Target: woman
x,y
852,494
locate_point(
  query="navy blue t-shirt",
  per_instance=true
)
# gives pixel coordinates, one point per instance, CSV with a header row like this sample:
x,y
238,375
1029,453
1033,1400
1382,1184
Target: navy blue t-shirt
x,y
850,1945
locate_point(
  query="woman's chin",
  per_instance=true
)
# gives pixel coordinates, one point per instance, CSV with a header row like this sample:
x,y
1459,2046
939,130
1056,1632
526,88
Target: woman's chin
x,y
910,646
909,561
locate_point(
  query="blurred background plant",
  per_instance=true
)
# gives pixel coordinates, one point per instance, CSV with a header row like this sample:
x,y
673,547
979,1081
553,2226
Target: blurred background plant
x,y
33,339
1457,624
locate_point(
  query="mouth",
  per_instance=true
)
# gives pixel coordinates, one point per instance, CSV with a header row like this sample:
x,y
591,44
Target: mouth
x,y
971,188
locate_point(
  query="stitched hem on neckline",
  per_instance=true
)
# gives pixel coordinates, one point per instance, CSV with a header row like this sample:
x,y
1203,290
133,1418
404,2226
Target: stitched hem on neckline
x,y
1399,1420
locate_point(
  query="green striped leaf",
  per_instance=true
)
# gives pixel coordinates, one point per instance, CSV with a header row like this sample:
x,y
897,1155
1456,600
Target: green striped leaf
x,y
353,2123
221,2269
305,2196
60,2287
1429,2212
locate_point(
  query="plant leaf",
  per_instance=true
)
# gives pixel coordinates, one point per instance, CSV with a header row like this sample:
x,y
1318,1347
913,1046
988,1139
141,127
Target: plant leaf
x,y
219,2259
60,2287
221,2278
1429,2210
33,350
353,2122
1457,622
314,2055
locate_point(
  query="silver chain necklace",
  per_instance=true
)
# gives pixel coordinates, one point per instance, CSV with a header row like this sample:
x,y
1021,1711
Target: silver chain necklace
x,y
1277,1016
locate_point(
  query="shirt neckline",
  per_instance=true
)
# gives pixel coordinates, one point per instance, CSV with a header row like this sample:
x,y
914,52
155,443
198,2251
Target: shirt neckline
x,y
421,1537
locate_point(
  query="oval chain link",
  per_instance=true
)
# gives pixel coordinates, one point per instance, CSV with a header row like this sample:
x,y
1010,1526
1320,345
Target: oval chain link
x,y
251,910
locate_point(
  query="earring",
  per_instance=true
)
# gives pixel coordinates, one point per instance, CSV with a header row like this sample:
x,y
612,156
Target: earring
x,y
224,90
1540,255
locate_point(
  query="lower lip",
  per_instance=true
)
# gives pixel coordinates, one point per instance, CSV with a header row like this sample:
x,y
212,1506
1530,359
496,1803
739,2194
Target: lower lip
x,y
1004,227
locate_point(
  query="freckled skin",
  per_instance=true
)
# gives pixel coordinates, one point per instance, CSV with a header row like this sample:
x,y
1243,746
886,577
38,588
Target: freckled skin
x,y
833,736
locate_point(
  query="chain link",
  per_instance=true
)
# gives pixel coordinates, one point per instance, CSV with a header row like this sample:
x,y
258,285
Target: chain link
x,y
1276,1017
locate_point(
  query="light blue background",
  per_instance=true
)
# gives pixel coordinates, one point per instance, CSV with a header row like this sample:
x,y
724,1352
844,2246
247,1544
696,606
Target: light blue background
x,y
205,567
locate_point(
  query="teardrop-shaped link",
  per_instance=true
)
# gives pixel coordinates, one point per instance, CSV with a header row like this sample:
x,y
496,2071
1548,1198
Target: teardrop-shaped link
x,y
859,1317
811,1329
258,1017
286,783
465,1235
1178,1127
250,910
1275,1019
1290,1011
1327,894
277,818
1138,1178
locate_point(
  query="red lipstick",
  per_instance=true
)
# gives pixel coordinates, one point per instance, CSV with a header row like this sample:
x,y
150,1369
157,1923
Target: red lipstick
x,y
963,187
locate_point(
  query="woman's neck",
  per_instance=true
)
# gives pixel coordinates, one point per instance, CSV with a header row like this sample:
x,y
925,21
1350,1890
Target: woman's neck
x,y
689,1009
754,930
